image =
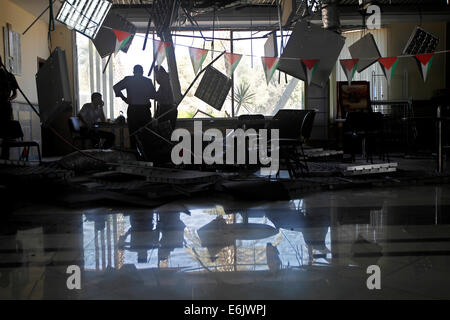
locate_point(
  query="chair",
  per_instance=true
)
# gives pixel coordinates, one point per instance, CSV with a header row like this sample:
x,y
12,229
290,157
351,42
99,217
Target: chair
x,y
375,136
306,130
295,128
307,125
289,122
15,132
75,131
247,121
367,127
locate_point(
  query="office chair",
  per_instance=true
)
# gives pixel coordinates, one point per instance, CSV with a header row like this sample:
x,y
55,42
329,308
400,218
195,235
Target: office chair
x,y
15,140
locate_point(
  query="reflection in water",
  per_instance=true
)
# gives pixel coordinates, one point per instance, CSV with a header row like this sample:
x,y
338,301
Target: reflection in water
x,y
270,237
273,258
142,235
237,237
235,241
172,236
219,234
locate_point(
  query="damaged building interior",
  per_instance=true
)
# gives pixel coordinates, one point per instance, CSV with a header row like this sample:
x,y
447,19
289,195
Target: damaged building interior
x,y
235,149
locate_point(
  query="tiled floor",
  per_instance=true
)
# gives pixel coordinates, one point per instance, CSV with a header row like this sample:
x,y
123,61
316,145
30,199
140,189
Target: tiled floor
x,y
215,247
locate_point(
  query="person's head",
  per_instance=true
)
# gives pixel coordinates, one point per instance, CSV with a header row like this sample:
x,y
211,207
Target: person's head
x,y
138,70
96,99
161,74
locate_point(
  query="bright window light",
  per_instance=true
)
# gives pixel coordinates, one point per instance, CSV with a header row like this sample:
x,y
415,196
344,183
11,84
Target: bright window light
x,y
85,16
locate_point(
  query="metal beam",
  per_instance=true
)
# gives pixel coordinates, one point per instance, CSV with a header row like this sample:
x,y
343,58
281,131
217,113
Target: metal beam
x,y
173,69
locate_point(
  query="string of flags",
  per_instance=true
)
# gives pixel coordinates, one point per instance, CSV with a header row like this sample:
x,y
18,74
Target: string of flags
x,y
231,62
160,50
309,67
122,38
389,65
198,56
350,66
270,64
425,61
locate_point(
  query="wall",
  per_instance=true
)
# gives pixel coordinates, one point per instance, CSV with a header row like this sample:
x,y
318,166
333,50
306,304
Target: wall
x,y
34,45
374,73
407,82
398,36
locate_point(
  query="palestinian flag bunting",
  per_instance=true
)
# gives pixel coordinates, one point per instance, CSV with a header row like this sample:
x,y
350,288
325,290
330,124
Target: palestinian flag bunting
x,y
231,62
349,66
198,56
122,39
310,66
425,61
160,49
270,65
389,65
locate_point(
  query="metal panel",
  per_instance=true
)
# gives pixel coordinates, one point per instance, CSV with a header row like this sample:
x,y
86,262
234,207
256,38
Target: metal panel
x,y
53,86
366,50
214,88
311,42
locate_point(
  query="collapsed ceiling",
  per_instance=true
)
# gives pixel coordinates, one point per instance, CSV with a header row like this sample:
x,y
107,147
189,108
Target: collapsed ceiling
x,y
263,14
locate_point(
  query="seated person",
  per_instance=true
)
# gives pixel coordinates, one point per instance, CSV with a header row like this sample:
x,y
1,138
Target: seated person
x,y
90,114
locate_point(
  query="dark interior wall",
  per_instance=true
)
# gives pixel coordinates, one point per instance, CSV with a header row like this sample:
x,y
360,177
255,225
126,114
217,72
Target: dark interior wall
x,y
447,56
398,36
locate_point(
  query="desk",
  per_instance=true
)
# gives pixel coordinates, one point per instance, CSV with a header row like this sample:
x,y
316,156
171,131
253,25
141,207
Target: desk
x,y
123,138
121,132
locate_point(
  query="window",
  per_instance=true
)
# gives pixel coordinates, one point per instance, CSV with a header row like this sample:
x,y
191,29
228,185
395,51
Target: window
x,y
266,98
282,92
183,40
13,50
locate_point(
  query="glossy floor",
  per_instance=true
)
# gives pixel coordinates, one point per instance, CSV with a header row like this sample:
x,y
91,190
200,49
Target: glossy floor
x,y
317,247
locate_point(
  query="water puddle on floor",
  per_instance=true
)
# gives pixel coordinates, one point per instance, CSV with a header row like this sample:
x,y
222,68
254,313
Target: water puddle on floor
x,y
319,246
215,238
342,228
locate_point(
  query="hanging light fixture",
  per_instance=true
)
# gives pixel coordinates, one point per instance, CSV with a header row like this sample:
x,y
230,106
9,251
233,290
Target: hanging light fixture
x,y
85,16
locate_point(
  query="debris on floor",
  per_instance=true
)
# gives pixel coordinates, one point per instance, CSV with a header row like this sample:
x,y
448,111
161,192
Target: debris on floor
x,y
116,176
94,159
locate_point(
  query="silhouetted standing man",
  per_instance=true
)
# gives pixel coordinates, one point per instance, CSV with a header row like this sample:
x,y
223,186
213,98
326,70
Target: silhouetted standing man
x,y
8,92
139,92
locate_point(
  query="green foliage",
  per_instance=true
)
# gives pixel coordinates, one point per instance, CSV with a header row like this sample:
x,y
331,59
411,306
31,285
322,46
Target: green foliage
x,y
186,113
243,97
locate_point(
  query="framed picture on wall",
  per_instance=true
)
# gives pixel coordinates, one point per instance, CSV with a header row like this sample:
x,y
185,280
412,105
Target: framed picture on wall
x,y
353,98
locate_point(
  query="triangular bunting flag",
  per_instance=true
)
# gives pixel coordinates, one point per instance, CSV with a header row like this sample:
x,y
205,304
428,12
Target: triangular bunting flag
x,y
425,61
198,56
270,65
122,39
389,65
349,66
231,62
310,66
160,50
